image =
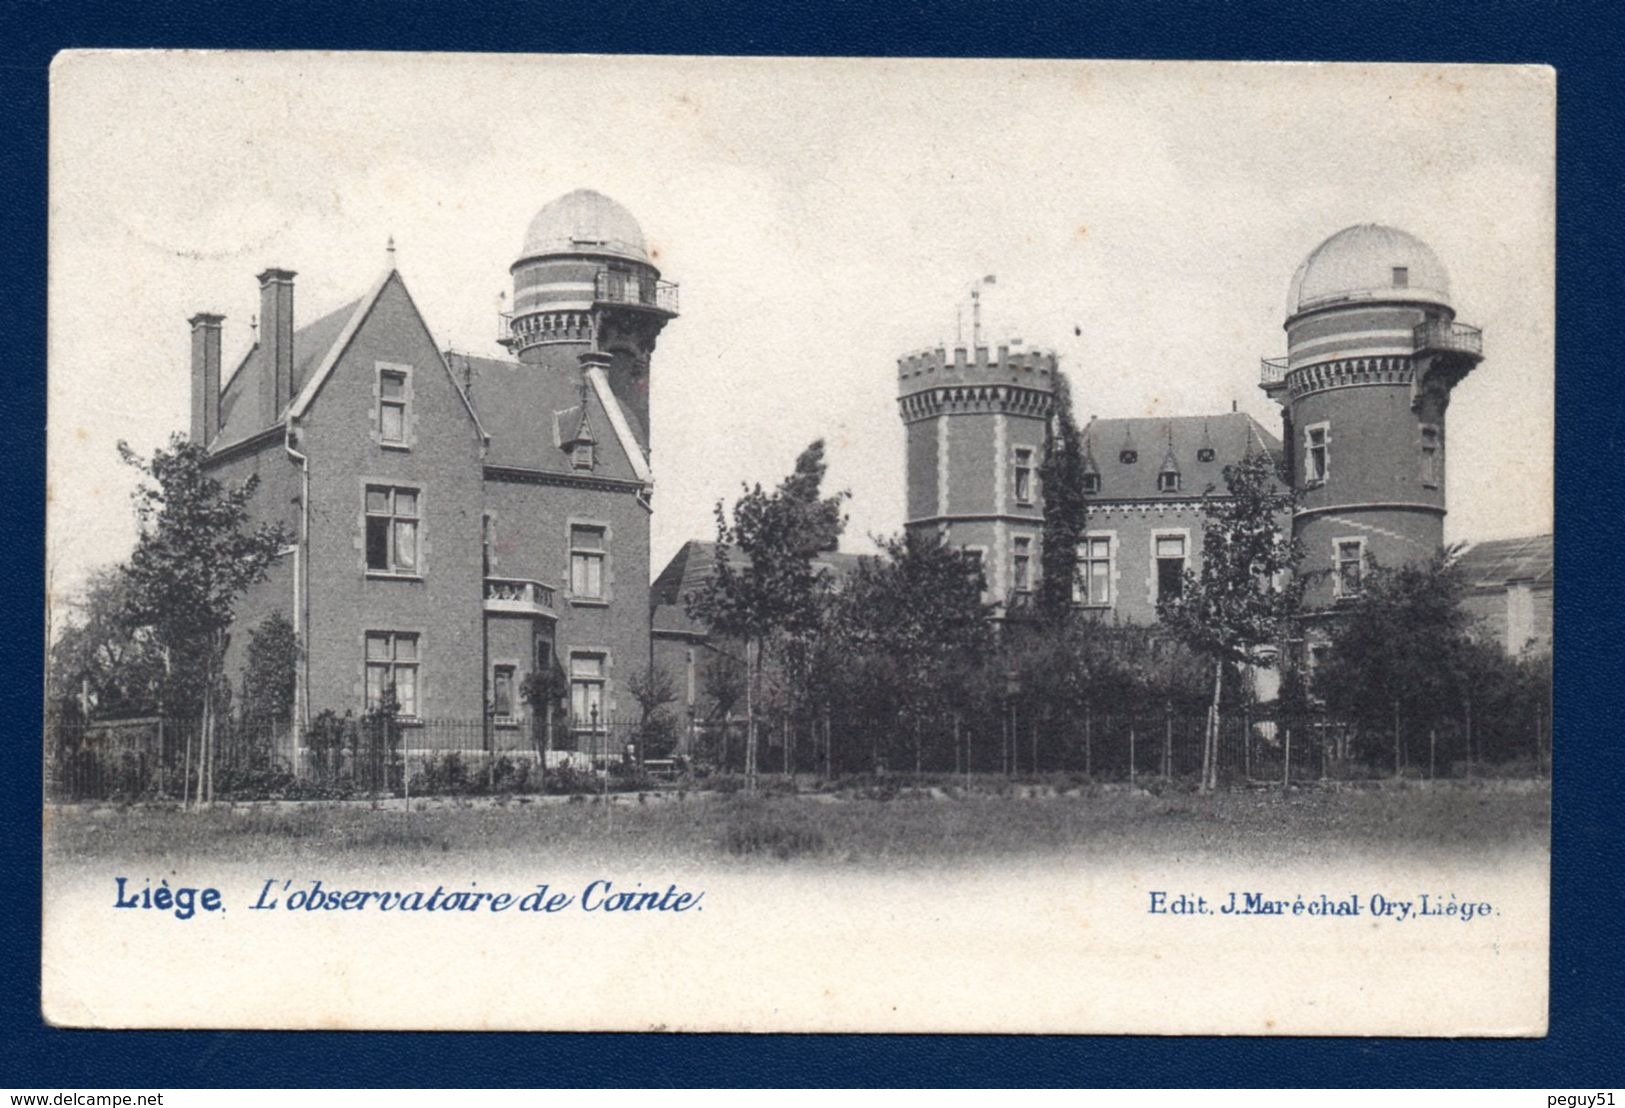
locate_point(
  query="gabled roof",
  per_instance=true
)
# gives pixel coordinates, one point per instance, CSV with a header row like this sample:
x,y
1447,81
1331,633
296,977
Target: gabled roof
x,y
1231,436
317,347
1495,563
530,411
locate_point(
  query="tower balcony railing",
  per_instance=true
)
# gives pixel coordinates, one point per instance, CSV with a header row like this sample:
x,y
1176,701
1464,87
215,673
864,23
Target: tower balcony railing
x,y
1271,371
518,595
610,287
1447,336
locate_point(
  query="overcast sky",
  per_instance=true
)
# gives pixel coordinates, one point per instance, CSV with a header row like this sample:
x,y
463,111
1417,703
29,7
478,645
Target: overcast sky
x,y
822,218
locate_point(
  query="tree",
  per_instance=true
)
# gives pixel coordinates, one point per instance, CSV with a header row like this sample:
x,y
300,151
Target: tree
x,y
100,665
272,674
777,589
1399,652
918,614
1066,508
196,555
1246,590
653,689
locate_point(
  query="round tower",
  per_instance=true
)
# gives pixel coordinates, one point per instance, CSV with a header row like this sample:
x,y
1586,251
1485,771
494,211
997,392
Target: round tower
x,y
975,421
584,282
1373,351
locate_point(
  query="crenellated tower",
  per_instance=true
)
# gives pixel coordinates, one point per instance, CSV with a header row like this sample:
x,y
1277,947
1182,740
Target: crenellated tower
x,y
1373,352
975,421
584,282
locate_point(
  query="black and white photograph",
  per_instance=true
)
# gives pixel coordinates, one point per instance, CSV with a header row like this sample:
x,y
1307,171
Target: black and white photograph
x,y
791,544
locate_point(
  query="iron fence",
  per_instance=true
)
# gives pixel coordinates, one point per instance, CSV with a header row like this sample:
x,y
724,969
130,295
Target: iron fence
x,y
153,759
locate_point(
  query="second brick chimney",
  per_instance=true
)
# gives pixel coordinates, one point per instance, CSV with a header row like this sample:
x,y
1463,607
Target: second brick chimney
x,y
276,342
205,377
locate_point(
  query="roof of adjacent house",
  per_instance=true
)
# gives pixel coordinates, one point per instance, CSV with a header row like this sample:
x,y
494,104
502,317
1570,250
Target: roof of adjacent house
x,y
695,564
1496,563
240,400
1154,440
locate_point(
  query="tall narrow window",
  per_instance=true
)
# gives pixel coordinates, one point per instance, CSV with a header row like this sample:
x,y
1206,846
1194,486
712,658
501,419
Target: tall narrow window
x,y
1402,276
486,527
587,692
1024,475
1316,460
392,407
1170,566
392,529
1021,562
1092,586
1430,456
587,562
502,692
1350,566
392,668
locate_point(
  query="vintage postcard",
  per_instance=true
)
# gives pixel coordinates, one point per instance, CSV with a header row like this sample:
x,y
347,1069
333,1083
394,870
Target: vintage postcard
x,y
730,544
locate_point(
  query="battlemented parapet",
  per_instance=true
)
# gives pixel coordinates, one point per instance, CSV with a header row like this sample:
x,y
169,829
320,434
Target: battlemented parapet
x,y
1017,381
976,366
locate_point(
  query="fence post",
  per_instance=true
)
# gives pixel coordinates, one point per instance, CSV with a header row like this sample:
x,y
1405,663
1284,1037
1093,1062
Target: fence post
x,y
1167,741
1286,760
1433,744
1247,742
1396,739
1131,754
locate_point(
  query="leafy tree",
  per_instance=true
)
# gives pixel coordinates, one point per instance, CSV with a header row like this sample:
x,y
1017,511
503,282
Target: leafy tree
x,y
100,665
196,555
653,689
1400,652
777,590
917,613
1066,508
1246,591
272,674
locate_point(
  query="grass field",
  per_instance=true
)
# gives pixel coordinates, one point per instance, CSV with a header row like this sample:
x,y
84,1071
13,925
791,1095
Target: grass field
x,y
1304,825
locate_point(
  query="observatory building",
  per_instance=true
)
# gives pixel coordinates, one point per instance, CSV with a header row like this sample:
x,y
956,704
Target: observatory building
x,y
1373,352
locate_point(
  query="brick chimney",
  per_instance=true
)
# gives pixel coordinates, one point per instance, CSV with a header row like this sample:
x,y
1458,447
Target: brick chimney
x,y
276,343
205,377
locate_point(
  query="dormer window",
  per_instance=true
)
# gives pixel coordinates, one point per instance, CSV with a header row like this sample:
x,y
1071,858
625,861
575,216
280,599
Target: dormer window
x,y
581,455
1128,457
1402,276
1091,482
1205,454
1167,482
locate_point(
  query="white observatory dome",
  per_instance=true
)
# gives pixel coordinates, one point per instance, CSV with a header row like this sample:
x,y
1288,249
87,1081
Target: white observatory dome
x,y
1368,262
585,222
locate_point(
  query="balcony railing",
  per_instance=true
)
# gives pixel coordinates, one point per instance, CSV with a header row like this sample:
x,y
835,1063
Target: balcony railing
x,y
1271,371
632,288
1440,336
516,594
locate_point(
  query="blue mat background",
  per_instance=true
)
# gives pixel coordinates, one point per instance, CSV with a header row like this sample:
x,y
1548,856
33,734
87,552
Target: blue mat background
x,y
1588,924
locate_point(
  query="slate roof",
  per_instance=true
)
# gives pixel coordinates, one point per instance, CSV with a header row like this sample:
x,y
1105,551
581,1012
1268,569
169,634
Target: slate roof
x,y
1231,435
693,565
530,412
1495,562
240,415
